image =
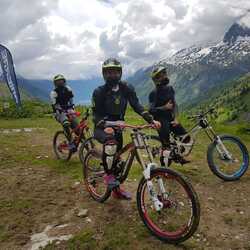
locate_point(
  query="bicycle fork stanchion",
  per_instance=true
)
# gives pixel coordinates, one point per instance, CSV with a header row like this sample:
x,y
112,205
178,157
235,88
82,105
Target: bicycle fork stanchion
x,y
223,151
153,195
219,144
140,143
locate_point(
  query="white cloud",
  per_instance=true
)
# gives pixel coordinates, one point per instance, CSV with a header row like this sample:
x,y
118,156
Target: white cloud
x,y
74,37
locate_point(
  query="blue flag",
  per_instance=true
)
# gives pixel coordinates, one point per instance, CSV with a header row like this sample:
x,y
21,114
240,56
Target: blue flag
x,y
8,73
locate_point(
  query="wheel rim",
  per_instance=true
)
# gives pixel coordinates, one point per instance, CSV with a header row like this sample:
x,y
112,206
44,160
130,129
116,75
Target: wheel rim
x,y
224,165
62,147
176,217
94,174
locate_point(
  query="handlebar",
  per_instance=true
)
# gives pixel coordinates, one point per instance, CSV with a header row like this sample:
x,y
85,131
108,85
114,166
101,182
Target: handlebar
x,y
77,113
122,125
202,114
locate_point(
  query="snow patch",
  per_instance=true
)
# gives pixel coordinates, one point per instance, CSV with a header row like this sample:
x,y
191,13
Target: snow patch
x,y
205,51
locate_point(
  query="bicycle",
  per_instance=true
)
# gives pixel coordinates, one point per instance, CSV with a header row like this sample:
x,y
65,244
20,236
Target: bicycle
x,y
167,203
227,156
79,135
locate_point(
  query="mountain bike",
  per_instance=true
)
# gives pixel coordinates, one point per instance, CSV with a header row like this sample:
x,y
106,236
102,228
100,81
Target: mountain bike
x,y
79,135
167,203
227,156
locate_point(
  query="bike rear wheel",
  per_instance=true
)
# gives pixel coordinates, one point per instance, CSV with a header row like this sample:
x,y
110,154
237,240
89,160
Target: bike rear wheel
x,y
61,146
93,174
229,159
180,215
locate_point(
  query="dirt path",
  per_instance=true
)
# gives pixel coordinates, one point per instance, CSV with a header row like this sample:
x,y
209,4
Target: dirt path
x,y
35,197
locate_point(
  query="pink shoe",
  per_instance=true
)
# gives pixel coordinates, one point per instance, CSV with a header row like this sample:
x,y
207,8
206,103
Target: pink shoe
x,y
119,193
111,181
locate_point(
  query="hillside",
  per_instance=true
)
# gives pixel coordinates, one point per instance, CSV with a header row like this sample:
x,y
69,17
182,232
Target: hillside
x,y
231,102
6,95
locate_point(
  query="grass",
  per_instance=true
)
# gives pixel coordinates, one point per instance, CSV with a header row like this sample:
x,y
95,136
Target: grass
x,y
35,149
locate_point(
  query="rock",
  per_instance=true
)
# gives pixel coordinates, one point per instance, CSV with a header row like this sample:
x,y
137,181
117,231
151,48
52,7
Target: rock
x,y
83,213
16,130
41,240
76,184
210,199
88,220
27,130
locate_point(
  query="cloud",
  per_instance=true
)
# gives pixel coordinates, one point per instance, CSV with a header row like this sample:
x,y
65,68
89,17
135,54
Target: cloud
x,y
73,38
17,15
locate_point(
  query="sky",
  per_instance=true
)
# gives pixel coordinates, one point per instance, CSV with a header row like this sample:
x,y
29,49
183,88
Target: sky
x,y
73,38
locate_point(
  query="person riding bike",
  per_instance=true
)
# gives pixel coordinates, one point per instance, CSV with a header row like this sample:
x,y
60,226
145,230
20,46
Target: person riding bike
x,y
109,104
62,104
163,107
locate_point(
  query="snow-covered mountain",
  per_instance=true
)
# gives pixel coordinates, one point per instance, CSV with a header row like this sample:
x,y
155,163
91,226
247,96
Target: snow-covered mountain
x,y
196,70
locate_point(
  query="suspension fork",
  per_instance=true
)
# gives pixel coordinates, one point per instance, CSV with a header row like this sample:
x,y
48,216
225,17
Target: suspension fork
x,y
141,143
158,205
219,144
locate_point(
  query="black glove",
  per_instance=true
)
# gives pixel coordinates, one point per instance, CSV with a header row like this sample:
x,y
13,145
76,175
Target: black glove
x,y
147,117
100,124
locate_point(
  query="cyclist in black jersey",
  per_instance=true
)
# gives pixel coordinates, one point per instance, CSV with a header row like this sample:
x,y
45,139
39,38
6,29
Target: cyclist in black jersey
x,y
109,104
163,107
62,104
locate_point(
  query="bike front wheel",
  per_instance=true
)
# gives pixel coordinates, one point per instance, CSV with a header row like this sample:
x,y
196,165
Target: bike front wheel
x,y
228,157
61,146
179,217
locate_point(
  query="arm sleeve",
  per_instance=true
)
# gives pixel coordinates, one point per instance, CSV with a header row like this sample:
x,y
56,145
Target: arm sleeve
x,y
71,96
55,106
151,101
137,107
97,106
71,103
175,110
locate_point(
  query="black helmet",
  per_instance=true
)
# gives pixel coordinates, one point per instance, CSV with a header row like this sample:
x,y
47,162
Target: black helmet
x,y
157,71
108,64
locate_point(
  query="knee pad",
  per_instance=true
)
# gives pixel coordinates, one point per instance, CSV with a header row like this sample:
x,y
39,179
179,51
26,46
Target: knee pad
x,y
66,124
110,148
109,153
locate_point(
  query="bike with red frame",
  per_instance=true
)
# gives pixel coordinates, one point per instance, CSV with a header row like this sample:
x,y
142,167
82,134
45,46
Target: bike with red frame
x,y
167,203
79,135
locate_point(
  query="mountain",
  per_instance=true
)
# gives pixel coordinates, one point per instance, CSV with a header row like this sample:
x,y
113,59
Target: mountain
x,y
197,70
6,95
40,89
236,31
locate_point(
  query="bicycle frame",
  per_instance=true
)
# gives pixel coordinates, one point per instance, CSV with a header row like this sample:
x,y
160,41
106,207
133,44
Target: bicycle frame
x,y
81,128
139,142
203,124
